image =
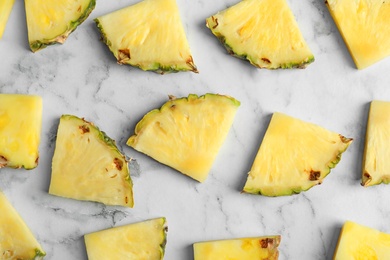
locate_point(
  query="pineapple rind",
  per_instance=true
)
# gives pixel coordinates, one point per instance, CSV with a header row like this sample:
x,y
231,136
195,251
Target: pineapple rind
x,y
198,163
262,187
41,44
110,144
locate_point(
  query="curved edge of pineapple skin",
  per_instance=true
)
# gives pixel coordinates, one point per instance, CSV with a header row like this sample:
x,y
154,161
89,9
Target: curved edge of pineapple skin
x,y
332,164
60,39
165,235
39,254
140,125
156,67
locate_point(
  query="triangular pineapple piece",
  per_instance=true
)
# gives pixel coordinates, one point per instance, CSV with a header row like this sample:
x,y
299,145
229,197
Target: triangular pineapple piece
x,y
293,157
186,133
16,239
360,242
148,35
20,130
255,248
87,165
5,10
376,164
51,21
364,25
264,32
138,241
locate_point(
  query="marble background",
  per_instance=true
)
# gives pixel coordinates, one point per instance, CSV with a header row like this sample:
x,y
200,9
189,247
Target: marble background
x,y
82,78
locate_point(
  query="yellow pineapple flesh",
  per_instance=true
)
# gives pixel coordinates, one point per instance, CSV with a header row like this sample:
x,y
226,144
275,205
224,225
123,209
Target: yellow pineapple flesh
x,y
256,248
186,133
5,10
16,239
264,32
87,165
148,35
139,241
20,130
364,25
358,242
50,21
293,157
376,165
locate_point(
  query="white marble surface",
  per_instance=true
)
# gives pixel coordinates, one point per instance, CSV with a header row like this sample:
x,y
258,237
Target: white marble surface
x,y
81,77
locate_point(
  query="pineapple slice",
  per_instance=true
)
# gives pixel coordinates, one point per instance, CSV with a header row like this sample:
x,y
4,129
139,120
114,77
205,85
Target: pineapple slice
x,y
5,10
364,25
360,242
186,133
293,157
148,35
262,31
87,165
257,248
376,165
50,22
16,239
20,130
139,241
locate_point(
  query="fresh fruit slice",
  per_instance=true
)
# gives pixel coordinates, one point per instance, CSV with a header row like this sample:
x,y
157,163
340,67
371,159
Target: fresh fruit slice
x,y
148,35
50,22
364,25
16,239
139,241
293,157
186,133
262,31
256,248
5,10
87,165
376,164
20,130
360,242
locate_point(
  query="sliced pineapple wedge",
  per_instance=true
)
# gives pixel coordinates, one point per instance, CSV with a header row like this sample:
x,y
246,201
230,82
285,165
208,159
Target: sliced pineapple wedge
x,y
50,22
5,10
293,157
148,35
364,25
87,165
376,164
16,239
256,248
264,32
138,241
186,133
20,130
360,242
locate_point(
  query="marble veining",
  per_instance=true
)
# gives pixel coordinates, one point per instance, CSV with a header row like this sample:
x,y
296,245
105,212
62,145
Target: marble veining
x,y
81,77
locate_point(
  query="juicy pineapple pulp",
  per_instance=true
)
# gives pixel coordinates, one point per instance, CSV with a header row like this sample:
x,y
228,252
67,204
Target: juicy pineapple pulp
x,y
87,165
51,21
16,239
358,242
256,248
264,32
139,241
186,133
293,156
148,35
5,10
376,164
364,25
20,130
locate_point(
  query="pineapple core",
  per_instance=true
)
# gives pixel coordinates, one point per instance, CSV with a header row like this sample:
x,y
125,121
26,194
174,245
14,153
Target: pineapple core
x,y
20,130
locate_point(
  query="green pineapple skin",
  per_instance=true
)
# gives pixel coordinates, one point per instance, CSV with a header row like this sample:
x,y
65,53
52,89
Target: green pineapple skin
x,y
244,56
39,45
155,67
298,190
